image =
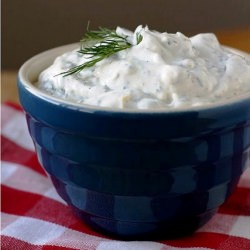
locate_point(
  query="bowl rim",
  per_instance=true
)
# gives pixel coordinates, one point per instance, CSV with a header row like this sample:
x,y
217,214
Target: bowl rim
x,y
23,79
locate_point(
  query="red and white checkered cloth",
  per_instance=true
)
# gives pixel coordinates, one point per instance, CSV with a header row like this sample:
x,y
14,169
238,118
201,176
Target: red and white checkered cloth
x,y
35,217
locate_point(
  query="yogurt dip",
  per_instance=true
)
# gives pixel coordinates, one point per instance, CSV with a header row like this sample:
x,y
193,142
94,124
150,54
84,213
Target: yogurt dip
x,y
163,71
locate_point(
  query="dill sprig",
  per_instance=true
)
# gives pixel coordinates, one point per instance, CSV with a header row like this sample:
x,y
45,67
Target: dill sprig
x,y
98,45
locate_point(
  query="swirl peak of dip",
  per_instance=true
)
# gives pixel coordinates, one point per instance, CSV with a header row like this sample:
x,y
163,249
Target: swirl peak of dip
x,y
163,71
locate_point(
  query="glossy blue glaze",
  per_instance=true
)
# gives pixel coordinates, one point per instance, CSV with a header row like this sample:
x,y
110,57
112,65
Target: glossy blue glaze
x,y
139,174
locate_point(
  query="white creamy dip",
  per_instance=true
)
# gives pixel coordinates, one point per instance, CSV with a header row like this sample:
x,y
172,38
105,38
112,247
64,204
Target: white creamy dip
x,y
163,71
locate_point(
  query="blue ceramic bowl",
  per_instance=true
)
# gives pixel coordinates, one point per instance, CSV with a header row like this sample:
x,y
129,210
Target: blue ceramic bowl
x,y
137,173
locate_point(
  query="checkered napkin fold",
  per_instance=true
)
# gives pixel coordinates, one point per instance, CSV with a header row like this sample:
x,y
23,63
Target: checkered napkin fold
x,y
33,216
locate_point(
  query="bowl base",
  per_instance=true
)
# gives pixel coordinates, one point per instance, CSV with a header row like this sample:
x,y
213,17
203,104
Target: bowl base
x,y
131,230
